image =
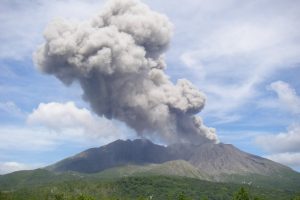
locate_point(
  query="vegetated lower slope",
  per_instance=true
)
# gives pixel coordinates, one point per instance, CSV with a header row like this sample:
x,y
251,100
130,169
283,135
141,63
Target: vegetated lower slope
x,y
178,168
36,177
24,178
69,185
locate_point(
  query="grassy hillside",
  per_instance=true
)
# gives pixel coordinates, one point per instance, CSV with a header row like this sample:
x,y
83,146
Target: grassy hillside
x,y
172,168
285,180
42,184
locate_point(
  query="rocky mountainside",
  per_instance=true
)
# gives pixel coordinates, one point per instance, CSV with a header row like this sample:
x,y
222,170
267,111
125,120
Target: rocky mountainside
x,y
217,159
144,159
117,153
211,159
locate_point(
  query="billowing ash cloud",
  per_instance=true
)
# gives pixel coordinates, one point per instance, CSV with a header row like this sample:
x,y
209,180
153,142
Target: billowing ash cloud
x,y
117,57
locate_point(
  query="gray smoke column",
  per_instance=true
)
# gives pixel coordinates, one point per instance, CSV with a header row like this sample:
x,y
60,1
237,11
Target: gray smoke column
x,y
117,57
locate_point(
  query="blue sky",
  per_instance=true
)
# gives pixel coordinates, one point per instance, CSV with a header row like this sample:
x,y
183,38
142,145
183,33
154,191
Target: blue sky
x,y
244,55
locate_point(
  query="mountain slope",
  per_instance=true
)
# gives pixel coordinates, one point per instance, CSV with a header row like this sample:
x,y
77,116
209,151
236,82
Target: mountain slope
x,y
117,153
218,159
209,161
179,168
142,159
33,177
215,160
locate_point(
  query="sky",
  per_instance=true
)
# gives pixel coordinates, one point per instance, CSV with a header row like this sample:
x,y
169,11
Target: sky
x,y
244,55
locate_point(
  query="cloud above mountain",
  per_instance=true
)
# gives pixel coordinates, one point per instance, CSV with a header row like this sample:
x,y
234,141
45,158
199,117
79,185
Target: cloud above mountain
x,y
284,147
287,96
282,142
235,54
118,59
290,159
8,167
68,122
66,117
52,124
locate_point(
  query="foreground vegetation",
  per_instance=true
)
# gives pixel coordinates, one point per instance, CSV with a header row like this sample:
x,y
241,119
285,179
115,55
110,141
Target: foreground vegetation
x,y
140,188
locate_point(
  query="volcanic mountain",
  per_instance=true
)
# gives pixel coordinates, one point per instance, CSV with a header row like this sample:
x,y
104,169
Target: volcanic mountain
x,y
209,161
122,163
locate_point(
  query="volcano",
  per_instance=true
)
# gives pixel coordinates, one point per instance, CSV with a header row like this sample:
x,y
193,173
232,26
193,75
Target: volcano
x,y
208,161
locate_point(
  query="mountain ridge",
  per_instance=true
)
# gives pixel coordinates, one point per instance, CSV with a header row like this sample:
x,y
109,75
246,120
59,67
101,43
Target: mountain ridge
x,y
117,153
209,158
143,159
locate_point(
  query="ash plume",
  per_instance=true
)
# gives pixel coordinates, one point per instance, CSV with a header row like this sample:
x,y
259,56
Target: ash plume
x,y
118,59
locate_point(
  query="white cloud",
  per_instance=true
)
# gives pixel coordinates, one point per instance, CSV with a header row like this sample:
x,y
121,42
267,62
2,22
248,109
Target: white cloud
x,y
8,167
54,124
11,108
283,147
67,120
229,53
282,142
27,139
59,116
65,116
22,22
287,96
232,53
290,159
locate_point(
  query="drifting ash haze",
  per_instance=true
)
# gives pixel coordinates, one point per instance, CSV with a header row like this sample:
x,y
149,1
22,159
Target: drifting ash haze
x,y
117,57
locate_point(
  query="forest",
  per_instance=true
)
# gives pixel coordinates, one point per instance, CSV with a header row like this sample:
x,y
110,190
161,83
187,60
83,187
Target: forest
x,y
143,188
